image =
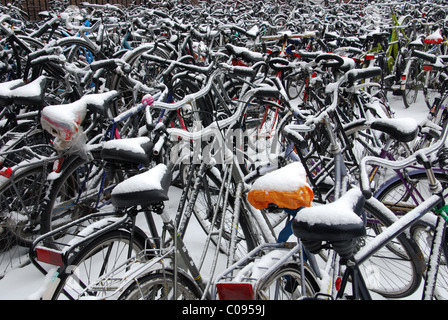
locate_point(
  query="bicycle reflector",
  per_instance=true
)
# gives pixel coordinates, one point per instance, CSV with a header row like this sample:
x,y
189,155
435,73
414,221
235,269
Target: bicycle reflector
x,y
235,291
49,256
6,172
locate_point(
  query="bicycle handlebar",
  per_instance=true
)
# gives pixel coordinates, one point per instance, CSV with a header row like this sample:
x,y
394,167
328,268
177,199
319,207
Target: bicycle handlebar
x,y
220,124
397,164
425,56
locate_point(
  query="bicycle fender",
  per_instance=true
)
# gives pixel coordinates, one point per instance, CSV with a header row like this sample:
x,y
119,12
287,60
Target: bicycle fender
x,y
392,180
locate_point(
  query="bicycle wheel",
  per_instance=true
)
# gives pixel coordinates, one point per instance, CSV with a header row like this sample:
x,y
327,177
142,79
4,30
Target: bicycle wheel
x,y
19,216
295,86
286,284
78,51
424,235
98,258
82,188
204,205
401,200
402,197
431,89
160,286
413,85
394,271
21,200
143,70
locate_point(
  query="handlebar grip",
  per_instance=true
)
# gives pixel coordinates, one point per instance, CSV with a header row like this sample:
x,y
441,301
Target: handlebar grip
x,y
243,71
109,64
365,184
358,74
267,93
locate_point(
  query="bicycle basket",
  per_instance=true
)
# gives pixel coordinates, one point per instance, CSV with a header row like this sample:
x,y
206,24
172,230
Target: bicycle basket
x,y
286,188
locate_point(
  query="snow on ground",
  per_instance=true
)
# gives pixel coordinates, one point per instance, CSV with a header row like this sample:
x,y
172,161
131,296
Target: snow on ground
x,y
24,282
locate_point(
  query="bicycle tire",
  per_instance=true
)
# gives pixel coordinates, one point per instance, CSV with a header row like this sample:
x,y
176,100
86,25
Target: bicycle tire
x,y
76,191
412,86
147,72
396,270
422,231
296,86
73,48
22,229
17,62
285,284
159,286
431,89
84,267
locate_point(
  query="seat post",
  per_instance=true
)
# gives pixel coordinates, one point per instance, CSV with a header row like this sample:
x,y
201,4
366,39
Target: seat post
x,y
359,288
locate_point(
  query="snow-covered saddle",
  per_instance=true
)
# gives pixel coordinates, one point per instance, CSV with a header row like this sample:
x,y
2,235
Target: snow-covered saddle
x,y
144,189
338,223
129,150
63,121
20,93
285,187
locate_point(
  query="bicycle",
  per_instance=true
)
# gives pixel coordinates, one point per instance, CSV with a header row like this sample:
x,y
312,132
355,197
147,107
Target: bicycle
x,y
259,283
211,129
313,230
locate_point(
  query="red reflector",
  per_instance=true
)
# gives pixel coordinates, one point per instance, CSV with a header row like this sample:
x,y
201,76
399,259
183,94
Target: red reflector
x,y
370,57
57,165
49,256
427,68
433,41
235,291
6,172
338,283
403,77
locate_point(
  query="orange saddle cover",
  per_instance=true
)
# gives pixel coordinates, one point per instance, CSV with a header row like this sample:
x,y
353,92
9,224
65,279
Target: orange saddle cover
x,y
285,187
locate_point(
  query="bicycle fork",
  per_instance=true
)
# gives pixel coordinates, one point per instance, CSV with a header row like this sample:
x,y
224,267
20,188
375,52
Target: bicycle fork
x,y
437,247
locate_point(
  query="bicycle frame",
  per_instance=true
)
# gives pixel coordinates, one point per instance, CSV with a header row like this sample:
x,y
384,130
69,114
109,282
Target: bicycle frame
x,y
436,201
360,289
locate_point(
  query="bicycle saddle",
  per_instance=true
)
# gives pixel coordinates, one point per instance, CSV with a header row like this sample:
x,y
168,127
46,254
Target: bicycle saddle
x,y
17,92
244,53
417,43
285,187
146,188
134,150
63,121
100,102
338,223
403,129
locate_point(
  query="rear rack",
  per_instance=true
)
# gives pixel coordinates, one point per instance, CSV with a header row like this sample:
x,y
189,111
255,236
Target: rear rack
x,y
239,282
13,160
58,246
